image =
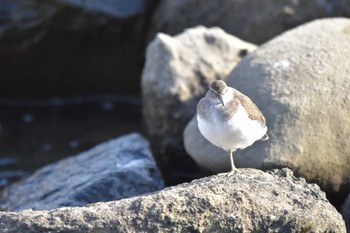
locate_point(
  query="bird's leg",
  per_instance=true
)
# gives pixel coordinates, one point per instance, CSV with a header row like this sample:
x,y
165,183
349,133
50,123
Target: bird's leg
x,y
233,168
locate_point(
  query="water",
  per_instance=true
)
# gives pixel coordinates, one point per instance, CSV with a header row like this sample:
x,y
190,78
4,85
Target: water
x,y
34,133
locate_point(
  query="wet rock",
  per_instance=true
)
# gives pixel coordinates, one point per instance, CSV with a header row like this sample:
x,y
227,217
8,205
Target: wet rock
x,y
117,169
176,74
300,81
345,211
71,47
254,21
249,201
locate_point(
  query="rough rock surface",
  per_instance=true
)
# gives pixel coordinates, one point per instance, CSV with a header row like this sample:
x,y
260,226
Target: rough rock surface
x,y
176,74
254,21
71,47
345,211
117,169
300,81
249,201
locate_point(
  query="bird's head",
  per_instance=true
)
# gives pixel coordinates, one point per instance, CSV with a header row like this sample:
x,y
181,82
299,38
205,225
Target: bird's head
x,y
218,88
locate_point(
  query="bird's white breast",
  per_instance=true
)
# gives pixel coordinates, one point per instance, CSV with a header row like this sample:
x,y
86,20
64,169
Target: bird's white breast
x,y
238,132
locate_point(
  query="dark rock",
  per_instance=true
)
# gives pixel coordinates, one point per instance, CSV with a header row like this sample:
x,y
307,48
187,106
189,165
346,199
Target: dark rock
x,y
71,47
345,211
117,169
248,201
116,8
254,21
176,74
300,81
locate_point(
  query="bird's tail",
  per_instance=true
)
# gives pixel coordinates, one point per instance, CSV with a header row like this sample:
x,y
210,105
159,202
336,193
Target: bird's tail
x,y
265,137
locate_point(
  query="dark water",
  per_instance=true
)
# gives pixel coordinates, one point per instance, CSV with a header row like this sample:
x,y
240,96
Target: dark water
x,y
34,133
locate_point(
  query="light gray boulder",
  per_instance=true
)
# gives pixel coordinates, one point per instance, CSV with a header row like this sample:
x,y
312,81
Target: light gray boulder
x,y
249,201
113,170
300,81
254,21
176,74
345,211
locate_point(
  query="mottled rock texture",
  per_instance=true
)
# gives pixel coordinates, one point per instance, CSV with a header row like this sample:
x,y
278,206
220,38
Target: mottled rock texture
x,y
176,74
300,81
249,201
113,170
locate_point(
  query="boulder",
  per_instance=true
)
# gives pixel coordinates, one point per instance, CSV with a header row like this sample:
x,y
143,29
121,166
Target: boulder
x,y
249,201
345,211
71,47
176,74
300,81
254,21
113,170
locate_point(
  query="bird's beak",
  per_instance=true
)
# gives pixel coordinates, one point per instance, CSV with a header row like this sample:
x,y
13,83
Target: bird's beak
x,y
221,100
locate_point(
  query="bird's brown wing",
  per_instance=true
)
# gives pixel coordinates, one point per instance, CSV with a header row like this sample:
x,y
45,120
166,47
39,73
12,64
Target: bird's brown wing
x,y
253,111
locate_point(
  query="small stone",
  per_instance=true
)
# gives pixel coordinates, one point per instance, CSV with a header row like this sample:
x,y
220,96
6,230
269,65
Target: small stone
x,y
28,118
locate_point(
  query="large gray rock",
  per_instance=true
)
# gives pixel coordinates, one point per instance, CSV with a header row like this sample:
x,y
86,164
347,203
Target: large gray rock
x,y
254,21
345,211
175,76
300,80
249,201
71,47
117,169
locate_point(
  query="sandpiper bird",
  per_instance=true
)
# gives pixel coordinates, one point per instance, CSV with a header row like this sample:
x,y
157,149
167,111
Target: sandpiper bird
x,y
230,120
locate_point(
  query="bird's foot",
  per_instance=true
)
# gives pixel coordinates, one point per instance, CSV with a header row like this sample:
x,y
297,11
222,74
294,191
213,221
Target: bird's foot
x,y
232,172
222,174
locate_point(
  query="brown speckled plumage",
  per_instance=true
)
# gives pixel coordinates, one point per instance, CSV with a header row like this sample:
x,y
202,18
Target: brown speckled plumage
x,y
253,111
219,87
